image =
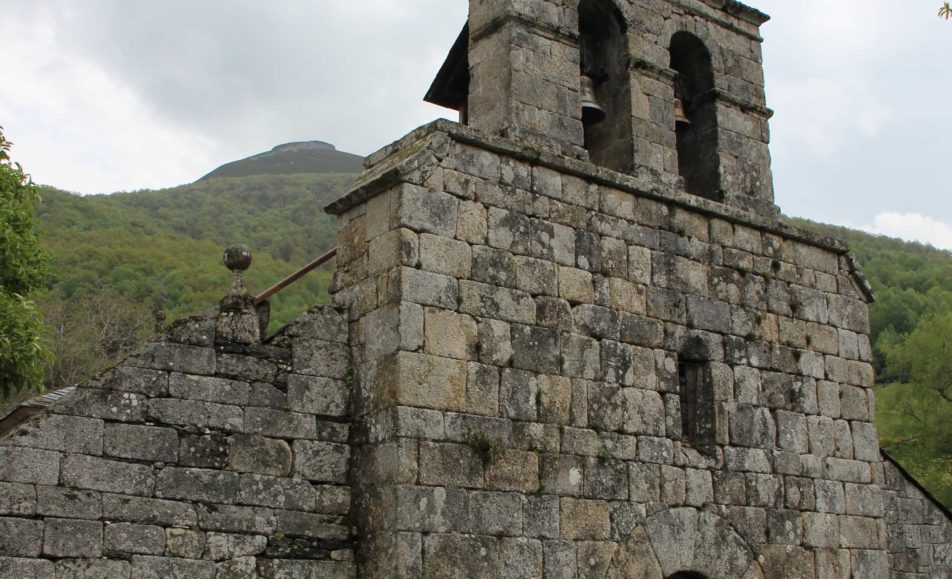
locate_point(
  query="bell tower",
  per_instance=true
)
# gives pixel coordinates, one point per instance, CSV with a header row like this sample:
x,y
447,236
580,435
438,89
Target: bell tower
x,y
669,91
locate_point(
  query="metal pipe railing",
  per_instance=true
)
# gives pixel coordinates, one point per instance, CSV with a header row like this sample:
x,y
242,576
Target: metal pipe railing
x,y
296,276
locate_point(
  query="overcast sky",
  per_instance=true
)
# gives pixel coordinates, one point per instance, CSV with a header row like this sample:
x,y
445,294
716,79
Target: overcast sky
x,y
107,95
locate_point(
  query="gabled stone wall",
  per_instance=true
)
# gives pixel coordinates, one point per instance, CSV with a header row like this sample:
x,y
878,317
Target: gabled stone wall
x,y
191,459
918,528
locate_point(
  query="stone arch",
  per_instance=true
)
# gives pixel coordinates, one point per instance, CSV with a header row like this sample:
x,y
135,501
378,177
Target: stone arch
x,y
701,30
679,542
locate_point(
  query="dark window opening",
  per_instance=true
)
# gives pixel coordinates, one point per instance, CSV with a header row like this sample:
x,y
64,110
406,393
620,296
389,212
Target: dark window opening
x,y
698,160
702,417
603,48
687,575
690,377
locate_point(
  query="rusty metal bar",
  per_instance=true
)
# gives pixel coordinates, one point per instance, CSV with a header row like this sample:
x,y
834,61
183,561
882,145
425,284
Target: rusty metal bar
x,y
296,276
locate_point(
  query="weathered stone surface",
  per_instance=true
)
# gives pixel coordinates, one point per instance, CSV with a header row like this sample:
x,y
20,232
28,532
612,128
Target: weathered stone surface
x,y
585,519
427,211
276,492
105,404
141,443
148,567
184,543
315,395
68,503
321,358
451,464
20,537
224,546
257,454
17,499
447,554
178,357
128,538
279,423
28,568
98,474
72,538
203,451
450,335
92,568
535,349
232,519
209,389
148,511
427,381
321,461
61,433
197,414
197,484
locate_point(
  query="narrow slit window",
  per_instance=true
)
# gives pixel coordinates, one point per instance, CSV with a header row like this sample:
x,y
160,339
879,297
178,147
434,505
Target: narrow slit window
x,y
690,377
703,417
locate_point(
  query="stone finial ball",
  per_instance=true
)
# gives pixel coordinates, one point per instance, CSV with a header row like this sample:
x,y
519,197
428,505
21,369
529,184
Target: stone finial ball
x,y
237,258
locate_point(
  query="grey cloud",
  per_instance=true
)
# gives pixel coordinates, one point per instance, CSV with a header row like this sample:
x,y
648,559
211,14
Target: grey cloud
x,y
237,68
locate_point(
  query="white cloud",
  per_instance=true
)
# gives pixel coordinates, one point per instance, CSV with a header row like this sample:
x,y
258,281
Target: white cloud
x,y
825,116
912,227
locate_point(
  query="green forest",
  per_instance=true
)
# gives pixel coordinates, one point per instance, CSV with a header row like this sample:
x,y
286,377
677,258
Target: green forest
x,y
118,260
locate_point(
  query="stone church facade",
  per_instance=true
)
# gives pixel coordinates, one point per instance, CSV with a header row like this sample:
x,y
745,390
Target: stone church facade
x,y
564,344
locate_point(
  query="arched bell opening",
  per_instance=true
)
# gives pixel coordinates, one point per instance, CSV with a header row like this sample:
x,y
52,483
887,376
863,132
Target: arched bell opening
x,y
695,116
605,85
686,575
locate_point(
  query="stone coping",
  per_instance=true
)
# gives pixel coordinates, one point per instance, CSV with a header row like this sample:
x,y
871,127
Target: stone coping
x,y
428,144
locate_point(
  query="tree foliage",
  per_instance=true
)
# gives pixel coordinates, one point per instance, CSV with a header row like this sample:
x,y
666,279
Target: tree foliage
x,y
91,333
22,273
123,256
916,411
945,11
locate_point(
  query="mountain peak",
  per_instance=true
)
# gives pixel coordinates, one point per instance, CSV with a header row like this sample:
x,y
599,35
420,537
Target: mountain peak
x,y
292,158
305,146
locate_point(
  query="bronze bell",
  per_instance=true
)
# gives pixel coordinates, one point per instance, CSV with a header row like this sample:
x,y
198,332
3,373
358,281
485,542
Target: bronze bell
x,y
592,112
680,117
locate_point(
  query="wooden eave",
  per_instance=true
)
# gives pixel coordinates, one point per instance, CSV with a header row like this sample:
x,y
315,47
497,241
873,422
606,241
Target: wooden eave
x,y
450,88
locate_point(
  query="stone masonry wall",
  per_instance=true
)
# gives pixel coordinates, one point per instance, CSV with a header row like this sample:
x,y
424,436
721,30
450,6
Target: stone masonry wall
x,y
190,459
518,320
919,531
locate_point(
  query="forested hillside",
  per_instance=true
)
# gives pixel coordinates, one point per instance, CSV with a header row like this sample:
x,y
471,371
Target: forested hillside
x,y
116,259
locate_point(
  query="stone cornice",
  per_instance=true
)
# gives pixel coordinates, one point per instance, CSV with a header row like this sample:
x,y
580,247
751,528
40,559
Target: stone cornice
x,y
724,97
657,72
731,8
427,145
556,33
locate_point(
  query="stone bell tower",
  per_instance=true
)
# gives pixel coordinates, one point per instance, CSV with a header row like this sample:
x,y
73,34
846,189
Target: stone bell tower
x,y
583,343
517,71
